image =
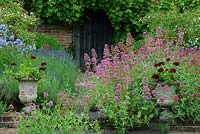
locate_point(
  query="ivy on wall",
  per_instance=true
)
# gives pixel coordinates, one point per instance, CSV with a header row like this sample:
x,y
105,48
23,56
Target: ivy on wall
x,y
125,15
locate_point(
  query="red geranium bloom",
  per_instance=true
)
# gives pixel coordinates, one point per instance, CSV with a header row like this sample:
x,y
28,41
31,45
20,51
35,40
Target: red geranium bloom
x,y
155,76
42,68
168,59
33,57
161,63
172,70
43,63
156,65
176,63
160,70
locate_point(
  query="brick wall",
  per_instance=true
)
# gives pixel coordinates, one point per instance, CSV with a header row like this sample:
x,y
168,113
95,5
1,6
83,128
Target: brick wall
x,y
61,32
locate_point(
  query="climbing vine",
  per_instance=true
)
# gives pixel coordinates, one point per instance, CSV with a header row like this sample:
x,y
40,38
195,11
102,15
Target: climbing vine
x,y
125,15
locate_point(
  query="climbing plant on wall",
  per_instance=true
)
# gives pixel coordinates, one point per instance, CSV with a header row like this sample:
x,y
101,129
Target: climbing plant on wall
x,y
125,15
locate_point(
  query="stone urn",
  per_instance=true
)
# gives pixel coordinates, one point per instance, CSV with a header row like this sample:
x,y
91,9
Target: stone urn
x,y
165,99
27,92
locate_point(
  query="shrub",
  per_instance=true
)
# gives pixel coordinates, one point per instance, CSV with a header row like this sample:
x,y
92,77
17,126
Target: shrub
x,y
175,24
42,39
122,86
18,20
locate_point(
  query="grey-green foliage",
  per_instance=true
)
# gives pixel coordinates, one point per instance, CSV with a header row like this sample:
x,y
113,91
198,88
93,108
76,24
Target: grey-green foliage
x,y
60,74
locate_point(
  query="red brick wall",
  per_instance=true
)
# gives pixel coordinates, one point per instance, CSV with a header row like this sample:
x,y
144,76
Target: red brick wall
x,y
61,32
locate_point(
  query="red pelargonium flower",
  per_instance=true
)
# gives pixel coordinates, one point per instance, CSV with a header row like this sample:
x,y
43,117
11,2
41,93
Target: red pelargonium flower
x,y
168,59
176,63
156,65
43,63
33,57
161,63
155,76
160,70
172,70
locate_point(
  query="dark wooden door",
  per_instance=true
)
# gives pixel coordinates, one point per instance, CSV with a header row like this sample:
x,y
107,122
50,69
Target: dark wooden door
x,y
93,31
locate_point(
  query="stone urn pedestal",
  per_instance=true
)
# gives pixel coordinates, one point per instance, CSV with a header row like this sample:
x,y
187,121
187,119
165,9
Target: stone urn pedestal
x,y
165,99
27,92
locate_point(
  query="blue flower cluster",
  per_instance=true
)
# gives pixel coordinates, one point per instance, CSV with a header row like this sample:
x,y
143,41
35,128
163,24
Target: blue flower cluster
x,y
11,41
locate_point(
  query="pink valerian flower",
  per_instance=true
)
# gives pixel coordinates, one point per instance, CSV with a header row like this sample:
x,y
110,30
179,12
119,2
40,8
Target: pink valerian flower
x,y
129,39
163,99
147,97
117,99
11,107
198,95
146,89
180,34
16,123
159,31
50,103
117,89
45,94
106,52
154,93
176,98
62,95
31,107
159,41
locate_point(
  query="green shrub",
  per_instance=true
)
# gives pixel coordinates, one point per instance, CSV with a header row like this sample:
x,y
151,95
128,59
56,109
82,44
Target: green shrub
x,y
42,39
171,21
18,20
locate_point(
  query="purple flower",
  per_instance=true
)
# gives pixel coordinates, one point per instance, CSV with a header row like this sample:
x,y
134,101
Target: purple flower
x,y
146,89
154,93
50,103
117,98
45,94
